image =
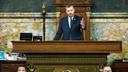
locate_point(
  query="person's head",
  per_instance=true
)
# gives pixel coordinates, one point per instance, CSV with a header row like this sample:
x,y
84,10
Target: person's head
x,y
21,69
70,10
107,69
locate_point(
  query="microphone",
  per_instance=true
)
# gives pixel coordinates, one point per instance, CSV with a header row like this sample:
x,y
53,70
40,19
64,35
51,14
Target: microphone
x,y
43,8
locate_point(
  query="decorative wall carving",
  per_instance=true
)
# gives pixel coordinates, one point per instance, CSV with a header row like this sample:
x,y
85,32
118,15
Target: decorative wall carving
x,y
75,1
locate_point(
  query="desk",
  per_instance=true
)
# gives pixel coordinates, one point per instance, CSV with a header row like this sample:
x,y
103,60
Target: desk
x,y
63,56
10,66
67,46
120,66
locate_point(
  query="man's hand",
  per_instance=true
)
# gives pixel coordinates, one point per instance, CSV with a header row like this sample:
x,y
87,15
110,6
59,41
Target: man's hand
x,y
82,23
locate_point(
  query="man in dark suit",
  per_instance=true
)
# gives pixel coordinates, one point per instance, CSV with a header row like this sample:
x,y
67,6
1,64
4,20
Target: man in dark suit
x,y
70,26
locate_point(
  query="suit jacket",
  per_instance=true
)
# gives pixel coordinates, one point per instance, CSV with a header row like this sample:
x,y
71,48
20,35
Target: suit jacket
x,y
73,33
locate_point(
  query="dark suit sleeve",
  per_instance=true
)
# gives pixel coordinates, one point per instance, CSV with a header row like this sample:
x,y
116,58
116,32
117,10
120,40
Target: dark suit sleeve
x,y
59,32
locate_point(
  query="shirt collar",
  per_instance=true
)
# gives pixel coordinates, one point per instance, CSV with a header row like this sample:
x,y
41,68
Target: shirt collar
x,y
72,17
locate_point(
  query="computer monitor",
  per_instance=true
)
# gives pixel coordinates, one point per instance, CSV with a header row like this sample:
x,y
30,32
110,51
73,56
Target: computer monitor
x,y
2,55
26,36
37,38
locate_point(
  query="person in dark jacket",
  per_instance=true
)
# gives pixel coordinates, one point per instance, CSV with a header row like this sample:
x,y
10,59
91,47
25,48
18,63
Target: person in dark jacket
x,y
70,26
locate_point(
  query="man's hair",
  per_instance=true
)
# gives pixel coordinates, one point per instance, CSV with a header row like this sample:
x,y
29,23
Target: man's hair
x,y
69,5
22,66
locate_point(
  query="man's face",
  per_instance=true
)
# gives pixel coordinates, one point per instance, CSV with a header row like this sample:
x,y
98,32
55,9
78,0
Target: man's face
x,y
70,11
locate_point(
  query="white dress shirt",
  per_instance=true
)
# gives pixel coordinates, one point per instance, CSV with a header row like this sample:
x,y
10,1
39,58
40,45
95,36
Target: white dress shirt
x,y
69,20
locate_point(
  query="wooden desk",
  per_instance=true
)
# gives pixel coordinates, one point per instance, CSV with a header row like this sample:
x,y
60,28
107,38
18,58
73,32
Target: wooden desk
x,y
120,66
67,46
10,66
60,56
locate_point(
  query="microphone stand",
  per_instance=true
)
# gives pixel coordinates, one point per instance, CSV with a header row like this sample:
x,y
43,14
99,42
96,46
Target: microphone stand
x,y
43,13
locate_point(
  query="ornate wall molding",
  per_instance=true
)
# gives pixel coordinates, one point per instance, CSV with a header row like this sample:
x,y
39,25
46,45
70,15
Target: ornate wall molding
x,y
109,15
73,1
106,20
26,15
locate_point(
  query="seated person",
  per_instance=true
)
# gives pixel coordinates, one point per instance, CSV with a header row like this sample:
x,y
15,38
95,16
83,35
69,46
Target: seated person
x,y
107,69
21,69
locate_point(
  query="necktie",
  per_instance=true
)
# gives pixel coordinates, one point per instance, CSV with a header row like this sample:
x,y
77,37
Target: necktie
x,y
70,37
71,21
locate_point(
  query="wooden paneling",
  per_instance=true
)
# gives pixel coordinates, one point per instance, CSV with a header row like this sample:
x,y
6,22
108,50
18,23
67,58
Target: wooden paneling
x,y
67,46
59,56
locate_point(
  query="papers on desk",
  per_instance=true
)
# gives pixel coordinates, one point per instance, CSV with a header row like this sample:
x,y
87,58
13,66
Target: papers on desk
x,y
12,56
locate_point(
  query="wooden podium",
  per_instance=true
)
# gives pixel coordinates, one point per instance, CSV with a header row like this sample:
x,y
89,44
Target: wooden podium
x,y
66,56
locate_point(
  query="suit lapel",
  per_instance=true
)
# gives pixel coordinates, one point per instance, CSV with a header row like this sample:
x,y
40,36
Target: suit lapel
x,y
67,24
